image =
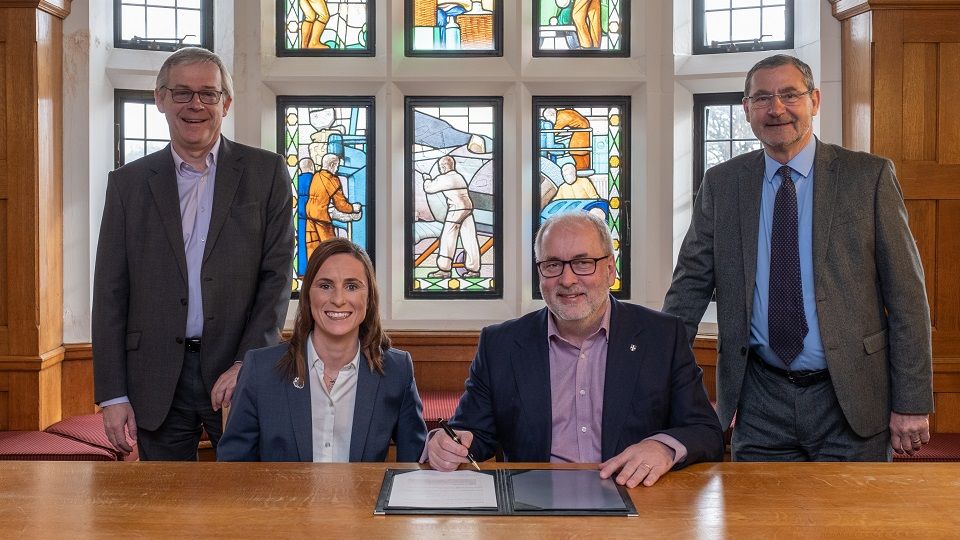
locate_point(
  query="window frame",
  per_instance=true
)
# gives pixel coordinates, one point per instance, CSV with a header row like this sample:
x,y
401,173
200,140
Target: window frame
x,y
700,104
410,52
206,40
623,52
626,180
699,29
371,49
409,104
370,210
121,97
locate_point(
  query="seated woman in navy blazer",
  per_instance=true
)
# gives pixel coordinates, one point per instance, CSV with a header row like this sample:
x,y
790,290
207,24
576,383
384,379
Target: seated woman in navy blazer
x,y
336,391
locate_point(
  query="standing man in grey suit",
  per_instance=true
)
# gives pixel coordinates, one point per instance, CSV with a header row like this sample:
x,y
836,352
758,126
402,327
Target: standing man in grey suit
x,y
824,350
193,269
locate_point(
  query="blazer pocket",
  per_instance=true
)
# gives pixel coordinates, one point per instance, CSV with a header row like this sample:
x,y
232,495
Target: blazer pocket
x,y
133,341
875,342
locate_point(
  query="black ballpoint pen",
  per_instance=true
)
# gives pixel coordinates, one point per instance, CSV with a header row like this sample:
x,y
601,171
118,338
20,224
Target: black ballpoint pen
x,y
453,435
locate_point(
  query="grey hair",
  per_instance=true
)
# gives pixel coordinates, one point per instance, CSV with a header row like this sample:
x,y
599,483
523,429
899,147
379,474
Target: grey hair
x,y
574,217
195,55
778,60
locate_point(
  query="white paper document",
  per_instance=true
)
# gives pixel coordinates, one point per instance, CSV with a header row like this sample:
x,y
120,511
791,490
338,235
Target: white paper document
x,y
435,489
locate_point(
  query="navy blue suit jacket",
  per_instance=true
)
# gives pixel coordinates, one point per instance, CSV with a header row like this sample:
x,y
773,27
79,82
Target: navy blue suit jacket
x,y
270,419
652,385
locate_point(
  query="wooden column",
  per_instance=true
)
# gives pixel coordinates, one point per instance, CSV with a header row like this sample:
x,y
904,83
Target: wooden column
x,y
901,87
31,201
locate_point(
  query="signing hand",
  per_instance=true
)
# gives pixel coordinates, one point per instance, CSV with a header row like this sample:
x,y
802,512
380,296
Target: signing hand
x,y
115,418
223,388
444,454
645,462
908,432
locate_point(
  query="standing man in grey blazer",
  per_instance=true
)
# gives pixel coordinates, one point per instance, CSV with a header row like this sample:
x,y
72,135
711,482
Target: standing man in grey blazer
x,y
193,269
824,350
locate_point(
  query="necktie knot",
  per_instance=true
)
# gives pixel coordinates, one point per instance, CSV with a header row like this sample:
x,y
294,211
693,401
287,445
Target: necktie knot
x,y
785,173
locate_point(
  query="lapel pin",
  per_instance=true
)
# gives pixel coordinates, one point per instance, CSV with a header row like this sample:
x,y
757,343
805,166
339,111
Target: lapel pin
x,y
297,383
633,347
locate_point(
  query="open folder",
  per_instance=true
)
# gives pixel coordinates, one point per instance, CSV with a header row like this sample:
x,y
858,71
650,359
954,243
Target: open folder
x,y
515,492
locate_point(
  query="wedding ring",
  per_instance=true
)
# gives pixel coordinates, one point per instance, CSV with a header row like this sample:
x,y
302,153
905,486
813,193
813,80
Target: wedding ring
x,y
645,465
915,441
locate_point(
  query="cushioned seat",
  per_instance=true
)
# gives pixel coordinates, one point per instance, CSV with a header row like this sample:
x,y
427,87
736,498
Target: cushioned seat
x,y
43,446
438,404
942,447
88,428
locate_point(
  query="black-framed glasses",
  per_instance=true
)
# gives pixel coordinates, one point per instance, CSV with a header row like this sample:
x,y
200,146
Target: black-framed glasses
x,y
185,95
581,266
763,101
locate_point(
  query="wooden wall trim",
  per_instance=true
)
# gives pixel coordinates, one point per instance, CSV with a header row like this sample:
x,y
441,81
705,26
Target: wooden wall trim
x,y
57,8
844,9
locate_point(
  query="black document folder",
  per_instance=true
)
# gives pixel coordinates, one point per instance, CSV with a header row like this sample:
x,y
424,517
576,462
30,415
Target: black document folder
x,y
531,492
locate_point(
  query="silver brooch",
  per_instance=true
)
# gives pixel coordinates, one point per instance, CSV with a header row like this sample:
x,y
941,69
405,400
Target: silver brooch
x,y
297,383
633,347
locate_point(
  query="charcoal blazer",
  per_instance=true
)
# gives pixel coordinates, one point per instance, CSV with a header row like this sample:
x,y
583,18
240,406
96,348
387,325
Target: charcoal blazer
x,y
870,297
651,385
271,419
140,283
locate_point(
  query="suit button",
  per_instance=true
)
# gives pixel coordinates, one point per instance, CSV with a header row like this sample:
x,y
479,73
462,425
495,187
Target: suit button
x,y
180,340
183,301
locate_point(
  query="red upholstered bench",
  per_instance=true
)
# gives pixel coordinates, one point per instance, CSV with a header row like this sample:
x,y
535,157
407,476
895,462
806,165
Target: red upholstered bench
x,y
88,429
942,447
43,446
439,404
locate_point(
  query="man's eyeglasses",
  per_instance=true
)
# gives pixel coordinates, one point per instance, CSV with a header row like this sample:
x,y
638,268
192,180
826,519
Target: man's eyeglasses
x,y
763,101
183,95
583,266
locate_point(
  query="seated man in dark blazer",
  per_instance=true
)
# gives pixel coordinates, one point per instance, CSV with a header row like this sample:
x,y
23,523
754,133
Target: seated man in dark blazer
x,y
588,379
336,392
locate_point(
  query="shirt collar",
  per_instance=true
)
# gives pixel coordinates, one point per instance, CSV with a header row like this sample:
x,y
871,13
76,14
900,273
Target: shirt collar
x,y
313,358
182,165
604,326
802,163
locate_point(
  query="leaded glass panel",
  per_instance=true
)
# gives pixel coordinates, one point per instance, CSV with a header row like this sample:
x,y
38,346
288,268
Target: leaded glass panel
x,y
453,197
328,146
581,165
163,25
453,28
581,28
325,27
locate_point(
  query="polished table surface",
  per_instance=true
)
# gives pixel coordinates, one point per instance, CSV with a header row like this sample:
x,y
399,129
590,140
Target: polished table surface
x,y
281,500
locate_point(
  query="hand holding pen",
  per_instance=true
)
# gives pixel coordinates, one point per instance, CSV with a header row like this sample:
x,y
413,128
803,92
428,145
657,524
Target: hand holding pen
x,y
453,435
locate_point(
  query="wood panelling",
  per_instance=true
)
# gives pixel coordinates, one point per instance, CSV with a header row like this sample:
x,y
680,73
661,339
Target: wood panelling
x,y
441,359
76,392
31,247
923,223
948,260
949,128
920,113
928,179
857,83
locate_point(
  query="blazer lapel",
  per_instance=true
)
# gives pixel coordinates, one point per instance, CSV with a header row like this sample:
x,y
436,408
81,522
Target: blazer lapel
x,y
229,172
530,360
825,186
750,185
626,348
298,402
163,187
368,385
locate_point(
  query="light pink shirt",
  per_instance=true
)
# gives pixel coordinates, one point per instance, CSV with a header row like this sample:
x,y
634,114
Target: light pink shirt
x,y
576,395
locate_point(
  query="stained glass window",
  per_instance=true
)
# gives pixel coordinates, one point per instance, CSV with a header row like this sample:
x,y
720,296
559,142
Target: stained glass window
x,y
581,165
453,197
141,128
325,27
328,145
727,26
453,28
162,25
581,28
721,131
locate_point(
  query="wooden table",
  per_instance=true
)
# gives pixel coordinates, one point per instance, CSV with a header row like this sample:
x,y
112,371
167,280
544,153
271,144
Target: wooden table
x,y
281,500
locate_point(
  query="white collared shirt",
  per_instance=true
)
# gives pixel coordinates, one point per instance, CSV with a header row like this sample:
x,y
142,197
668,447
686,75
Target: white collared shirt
x,y
332,410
